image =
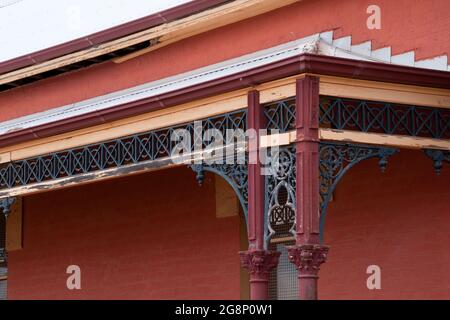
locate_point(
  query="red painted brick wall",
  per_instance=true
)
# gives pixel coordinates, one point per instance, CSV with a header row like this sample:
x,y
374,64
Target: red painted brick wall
x,y
156,236
143,237
420,25
400,221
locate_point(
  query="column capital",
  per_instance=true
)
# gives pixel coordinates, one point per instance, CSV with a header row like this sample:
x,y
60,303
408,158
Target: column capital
x,y
308,257
259,262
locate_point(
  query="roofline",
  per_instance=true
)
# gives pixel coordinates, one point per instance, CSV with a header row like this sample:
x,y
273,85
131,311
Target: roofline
x,y
302,63
109,34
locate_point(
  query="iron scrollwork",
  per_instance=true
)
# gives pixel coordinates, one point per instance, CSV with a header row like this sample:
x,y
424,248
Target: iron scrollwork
x,y
336,160
280,179
438,157
280,193
5,205
230,162
235,174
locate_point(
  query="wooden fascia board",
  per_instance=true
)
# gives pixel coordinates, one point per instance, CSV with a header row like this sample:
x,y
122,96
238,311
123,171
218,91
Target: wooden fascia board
x,y
384,92
347,136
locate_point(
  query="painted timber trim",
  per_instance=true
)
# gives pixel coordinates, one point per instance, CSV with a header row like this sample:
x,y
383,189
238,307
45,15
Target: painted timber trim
x,y
379,139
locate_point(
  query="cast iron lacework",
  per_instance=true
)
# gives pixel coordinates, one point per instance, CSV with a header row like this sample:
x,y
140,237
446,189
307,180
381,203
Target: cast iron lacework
x,y
336,160
280,180
366,116
235,174
5,210
280,193
381,117
152,145
438,157
5,206
280,115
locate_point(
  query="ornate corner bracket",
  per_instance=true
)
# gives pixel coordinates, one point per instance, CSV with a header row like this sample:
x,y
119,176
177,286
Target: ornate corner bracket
x,y
235,174
280,194
336,160
438,157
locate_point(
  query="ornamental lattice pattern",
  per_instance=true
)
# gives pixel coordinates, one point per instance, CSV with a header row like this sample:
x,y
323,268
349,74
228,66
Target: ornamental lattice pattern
x,y
387,118
152,145
366,116
335,159
280,193
280,115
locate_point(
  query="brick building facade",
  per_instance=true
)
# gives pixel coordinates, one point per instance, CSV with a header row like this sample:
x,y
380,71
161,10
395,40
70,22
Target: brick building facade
x,y
140,232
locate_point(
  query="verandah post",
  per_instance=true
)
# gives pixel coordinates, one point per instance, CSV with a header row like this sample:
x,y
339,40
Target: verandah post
x,y
257,260
307,253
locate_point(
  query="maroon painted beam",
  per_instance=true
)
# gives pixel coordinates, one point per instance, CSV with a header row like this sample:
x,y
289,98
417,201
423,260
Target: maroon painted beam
x,y
258,261
307,253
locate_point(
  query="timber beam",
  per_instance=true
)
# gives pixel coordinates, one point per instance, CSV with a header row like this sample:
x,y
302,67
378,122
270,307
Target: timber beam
x,y
327,134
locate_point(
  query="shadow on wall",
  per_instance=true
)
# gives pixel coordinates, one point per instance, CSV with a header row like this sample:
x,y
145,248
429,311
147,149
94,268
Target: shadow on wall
x,y
149,236
399,221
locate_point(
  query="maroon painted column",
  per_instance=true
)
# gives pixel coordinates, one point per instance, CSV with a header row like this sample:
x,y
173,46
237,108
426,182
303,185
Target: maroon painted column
x,y
258,261
307,254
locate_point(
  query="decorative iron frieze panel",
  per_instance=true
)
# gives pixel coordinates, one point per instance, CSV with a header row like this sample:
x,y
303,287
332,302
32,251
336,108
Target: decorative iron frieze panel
x,y
280,193
365,116
334,162
381,117
137,148
280,115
